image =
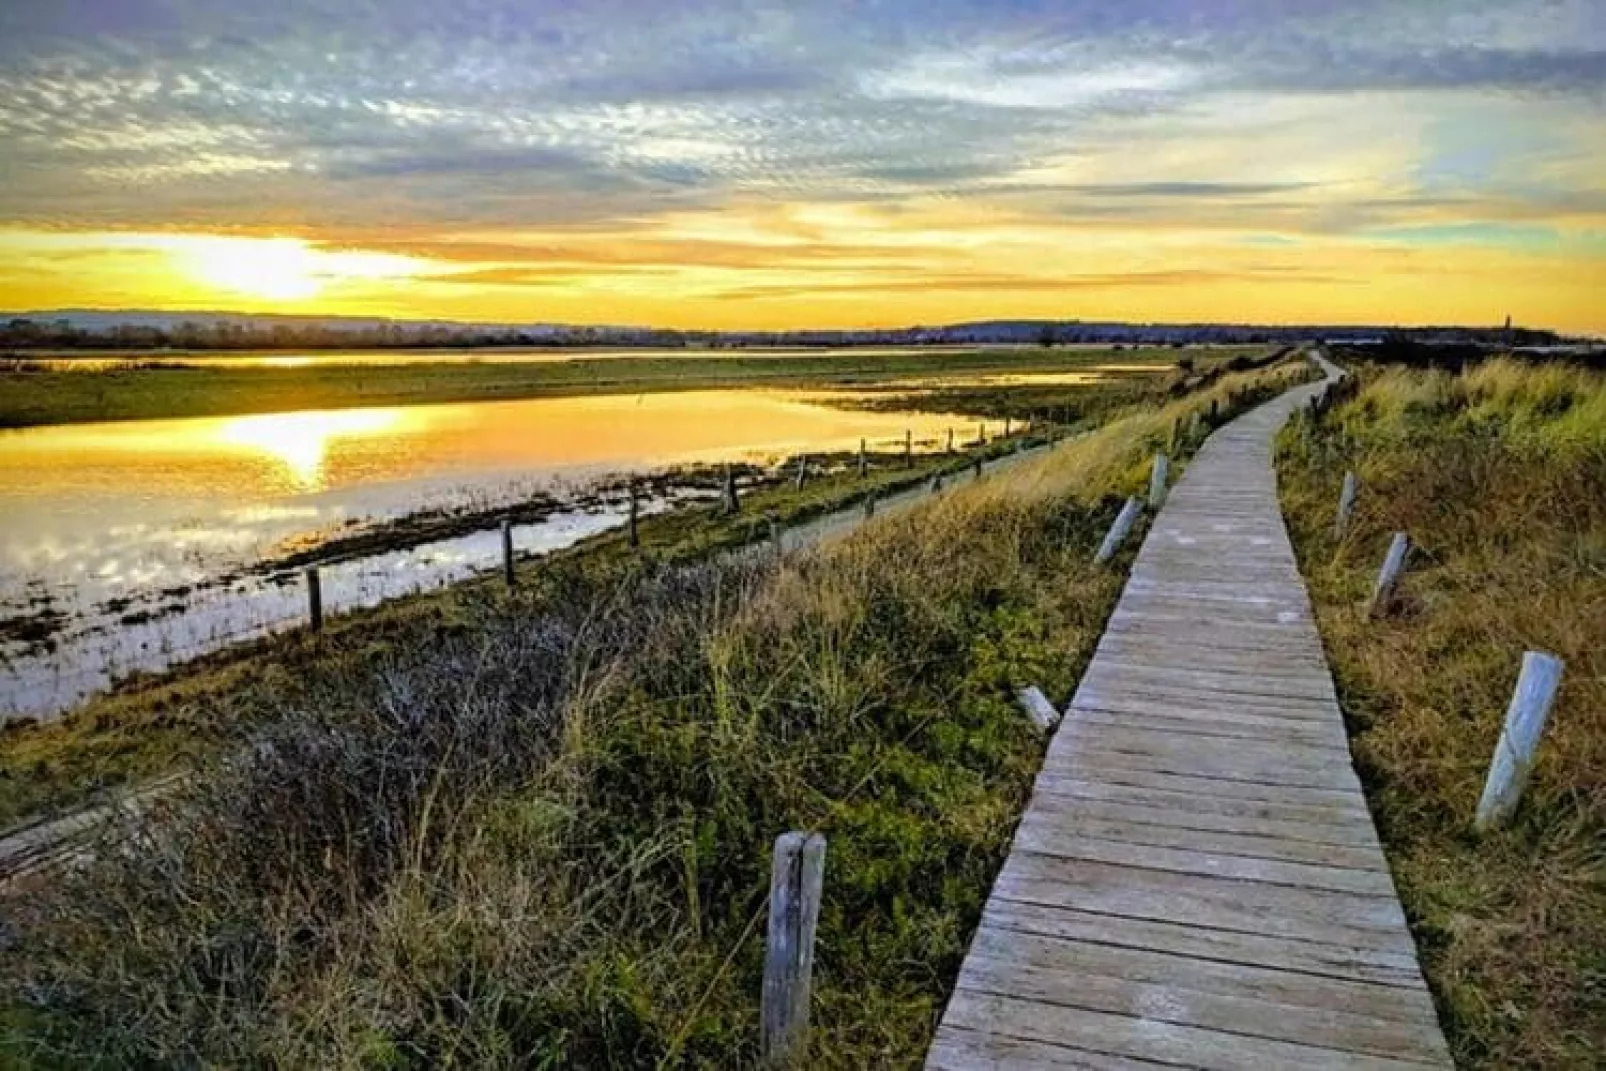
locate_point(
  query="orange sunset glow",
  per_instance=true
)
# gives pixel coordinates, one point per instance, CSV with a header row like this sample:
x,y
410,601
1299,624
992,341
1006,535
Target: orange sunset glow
x,y
743,167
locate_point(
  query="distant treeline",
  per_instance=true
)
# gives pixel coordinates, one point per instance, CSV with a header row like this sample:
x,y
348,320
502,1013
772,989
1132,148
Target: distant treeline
x,y
238,332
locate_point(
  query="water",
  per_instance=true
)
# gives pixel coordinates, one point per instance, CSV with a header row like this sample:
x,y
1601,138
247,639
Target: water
x,y
142,535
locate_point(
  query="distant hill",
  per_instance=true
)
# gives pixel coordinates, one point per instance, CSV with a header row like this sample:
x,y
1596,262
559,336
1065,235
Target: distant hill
x,y
154,329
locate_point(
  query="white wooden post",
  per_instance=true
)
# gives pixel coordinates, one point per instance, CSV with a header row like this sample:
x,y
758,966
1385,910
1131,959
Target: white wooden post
x,y
1038,708
797,873
1157,481
1346,505
1118,531
1389,576
314,600
1514,753
507,551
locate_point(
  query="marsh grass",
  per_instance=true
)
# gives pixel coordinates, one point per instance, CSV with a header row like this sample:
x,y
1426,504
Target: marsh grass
x,y
535,831
1499,475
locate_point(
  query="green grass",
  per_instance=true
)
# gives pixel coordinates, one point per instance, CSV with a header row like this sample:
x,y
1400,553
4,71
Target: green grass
x,y
534,829
156,391
1499,476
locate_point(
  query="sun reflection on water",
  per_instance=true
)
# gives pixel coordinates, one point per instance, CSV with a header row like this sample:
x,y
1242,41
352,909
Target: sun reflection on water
x,y
300,441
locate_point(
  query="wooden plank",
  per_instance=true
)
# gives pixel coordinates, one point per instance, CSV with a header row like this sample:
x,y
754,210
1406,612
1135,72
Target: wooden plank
x,y
1151,1039
1378,967
1203,900
1351,1017
958,1049
1177,829
1328,815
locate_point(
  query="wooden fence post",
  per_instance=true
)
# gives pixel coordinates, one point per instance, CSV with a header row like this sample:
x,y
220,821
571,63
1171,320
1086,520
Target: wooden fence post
x,y
733,503
797,873
1514,753
975,465
1346,505
908,448
507,551
1006,427
981,434
936,482
1118,531
950,440
633,520
864,460
1388,578
869,505
1157,480
802,470
314,600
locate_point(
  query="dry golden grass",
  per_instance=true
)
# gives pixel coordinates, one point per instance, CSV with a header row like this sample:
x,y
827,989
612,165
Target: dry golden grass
x,y
1499,476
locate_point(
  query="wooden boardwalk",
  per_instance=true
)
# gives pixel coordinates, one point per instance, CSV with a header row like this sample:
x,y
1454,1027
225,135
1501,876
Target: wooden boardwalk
x,y
1197,881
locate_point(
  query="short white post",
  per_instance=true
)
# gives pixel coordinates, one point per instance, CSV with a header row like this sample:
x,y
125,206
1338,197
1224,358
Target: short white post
x,y
507,551
1514,754
1346,505
1157,480
1038,708
1118,531
797,873
1388,578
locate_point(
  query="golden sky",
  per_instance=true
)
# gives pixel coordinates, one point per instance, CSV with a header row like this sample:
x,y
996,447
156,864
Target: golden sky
x,y
750,165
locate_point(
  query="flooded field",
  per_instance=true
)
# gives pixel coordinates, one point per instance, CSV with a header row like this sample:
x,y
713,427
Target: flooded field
x,y
136,544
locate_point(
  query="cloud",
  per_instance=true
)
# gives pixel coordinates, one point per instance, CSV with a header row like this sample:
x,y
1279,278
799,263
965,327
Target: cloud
x,y
1285,115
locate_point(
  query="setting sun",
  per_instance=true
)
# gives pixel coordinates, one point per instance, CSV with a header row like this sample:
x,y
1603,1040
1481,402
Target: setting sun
x,y
278,269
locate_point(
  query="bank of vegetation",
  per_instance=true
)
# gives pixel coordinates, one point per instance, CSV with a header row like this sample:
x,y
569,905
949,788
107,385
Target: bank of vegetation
x,y
1498,474
533,828
39,392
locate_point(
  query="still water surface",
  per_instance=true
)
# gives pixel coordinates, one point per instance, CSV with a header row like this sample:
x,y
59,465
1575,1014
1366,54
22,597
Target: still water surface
x,y
137,533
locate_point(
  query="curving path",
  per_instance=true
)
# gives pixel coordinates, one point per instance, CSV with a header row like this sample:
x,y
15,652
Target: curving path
x,y
1197,881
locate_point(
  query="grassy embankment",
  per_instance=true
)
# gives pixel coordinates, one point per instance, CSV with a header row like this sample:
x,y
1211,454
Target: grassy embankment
x,y
1498,474
150,391
533,829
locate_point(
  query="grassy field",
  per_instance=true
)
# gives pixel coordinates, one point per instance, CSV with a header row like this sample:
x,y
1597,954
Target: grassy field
x,y
1499,476
532,828
32,394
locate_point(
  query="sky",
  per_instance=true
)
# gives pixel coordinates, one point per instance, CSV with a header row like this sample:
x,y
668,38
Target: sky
x,y
794,163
